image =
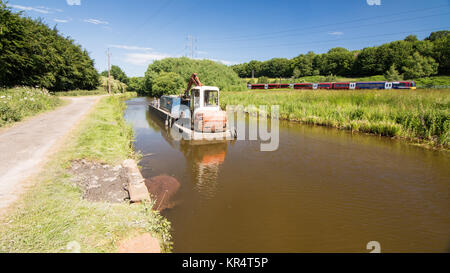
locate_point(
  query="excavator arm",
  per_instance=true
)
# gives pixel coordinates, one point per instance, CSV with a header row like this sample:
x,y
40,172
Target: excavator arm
x,y
193,81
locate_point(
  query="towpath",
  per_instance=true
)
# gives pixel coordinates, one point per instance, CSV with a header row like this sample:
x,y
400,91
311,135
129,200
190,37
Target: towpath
x,y
25,147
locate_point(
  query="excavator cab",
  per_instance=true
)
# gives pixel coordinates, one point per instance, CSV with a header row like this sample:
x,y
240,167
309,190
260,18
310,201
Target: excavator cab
x,y
207,117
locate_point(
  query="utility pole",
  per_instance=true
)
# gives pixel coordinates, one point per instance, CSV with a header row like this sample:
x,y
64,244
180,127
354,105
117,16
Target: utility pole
x,y
109,72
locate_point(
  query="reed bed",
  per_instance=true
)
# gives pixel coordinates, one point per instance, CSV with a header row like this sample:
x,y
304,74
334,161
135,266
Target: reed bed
x,y
422,116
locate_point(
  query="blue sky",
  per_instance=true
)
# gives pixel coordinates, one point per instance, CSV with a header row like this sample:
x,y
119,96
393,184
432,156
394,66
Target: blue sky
x,y
140,31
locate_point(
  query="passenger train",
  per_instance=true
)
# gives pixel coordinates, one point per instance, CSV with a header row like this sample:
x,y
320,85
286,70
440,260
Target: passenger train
x,y
337,85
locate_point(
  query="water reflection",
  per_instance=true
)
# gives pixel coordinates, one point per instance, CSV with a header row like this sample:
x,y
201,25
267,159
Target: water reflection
x,y
324,190
204,159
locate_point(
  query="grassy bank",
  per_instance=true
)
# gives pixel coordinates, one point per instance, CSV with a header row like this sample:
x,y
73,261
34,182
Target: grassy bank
x,y
53,212
422,116
21,102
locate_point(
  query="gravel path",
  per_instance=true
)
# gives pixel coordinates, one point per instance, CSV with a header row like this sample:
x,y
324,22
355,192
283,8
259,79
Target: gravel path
x,y
25,147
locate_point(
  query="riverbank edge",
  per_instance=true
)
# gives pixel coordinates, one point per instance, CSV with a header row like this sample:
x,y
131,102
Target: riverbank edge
x,y
52,216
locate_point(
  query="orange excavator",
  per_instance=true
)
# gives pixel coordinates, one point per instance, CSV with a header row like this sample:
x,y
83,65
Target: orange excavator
x,y
203,102
193,81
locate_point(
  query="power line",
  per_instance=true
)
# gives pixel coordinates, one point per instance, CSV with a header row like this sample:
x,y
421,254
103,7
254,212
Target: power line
x,y
268,34
352,27
335,40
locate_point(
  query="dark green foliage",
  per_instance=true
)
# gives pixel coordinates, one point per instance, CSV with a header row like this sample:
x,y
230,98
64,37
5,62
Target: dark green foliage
x,y
136,84
210,73
167,83
393,75
418,66
33,54
117,73
438,35
366,62
263,80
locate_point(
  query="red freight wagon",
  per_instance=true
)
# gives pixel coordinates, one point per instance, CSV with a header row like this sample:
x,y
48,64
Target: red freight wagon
x,y
303,86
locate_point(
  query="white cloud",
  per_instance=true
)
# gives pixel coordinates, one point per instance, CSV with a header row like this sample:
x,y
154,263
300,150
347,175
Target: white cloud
x,y
126,47
73,2
50,9
336,33
40,10
144,58
60,20
96,22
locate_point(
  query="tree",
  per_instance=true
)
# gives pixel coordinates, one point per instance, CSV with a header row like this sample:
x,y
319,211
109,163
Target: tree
x,y
210,73
392,74
33,54
417,66
167,83
136,84
338,61
438,35
441,53
304,64
117,73
297,73
411,38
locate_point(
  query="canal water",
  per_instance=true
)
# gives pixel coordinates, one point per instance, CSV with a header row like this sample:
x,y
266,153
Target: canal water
x,y
323,190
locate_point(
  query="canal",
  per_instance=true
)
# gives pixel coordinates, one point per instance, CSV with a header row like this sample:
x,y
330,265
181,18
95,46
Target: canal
x,y
323,190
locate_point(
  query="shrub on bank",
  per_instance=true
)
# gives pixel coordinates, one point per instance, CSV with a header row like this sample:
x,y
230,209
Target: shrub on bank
x,y
20,102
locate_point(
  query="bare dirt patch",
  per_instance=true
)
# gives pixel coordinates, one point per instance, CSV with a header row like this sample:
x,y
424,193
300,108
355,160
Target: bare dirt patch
x,y
101,182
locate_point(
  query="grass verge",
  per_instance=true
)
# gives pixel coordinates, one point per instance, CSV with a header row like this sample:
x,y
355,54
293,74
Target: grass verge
x,y
53,214
422,116
21,102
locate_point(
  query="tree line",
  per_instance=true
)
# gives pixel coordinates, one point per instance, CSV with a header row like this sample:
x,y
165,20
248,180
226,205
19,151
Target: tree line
x,y
412,58
33,54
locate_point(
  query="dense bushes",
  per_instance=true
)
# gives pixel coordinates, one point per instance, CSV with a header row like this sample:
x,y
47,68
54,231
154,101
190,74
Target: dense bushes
x,y
116,86
157,81
136,84
20,102
117,73
32,54
412,58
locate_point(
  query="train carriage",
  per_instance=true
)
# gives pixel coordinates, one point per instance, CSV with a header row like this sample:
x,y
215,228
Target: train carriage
x,y
338,85
325,86
303,86
404,85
